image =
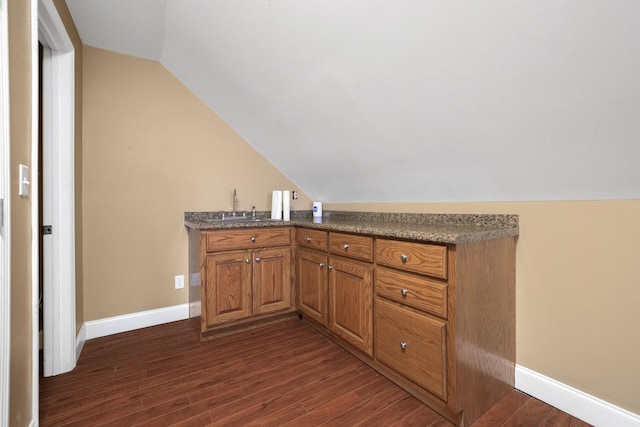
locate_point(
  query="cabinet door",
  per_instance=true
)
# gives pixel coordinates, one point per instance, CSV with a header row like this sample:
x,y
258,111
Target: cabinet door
x,y
272,280
351,303
228,287
312,285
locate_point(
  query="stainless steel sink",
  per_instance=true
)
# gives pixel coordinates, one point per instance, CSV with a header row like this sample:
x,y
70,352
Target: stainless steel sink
x,y
231,219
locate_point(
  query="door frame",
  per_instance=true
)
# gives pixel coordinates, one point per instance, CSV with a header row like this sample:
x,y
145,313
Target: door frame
x,y
58,132
5,221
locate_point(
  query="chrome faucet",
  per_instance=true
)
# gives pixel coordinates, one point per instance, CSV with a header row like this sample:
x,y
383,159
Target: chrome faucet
x,y
235,201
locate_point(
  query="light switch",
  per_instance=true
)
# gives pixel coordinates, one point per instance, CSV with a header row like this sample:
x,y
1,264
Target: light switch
x,y
23,181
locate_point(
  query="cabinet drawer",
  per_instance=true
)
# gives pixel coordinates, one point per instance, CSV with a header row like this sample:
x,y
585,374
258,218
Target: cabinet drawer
x,y
418,257
352,246
416,291
412,344
225,240
313,239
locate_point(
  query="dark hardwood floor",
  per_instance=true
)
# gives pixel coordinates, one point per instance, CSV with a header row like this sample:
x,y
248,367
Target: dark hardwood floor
x,y
286,374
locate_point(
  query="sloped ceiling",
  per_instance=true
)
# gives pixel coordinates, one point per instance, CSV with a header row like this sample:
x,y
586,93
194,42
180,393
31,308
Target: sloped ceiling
x,y
411,100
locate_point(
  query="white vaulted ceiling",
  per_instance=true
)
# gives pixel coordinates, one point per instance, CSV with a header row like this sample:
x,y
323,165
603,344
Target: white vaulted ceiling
x,y
409,100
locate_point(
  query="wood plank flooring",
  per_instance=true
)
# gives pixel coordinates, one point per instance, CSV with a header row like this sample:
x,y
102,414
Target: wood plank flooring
x,y
287,374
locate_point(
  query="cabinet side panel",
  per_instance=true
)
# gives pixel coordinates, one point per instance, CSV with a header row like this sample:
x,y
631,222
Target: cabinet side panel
x,y
195,282
485,324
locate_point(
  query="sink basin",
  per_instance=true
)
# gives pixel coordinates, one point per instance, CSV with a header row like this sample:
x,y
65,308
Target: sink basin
x,y
235,219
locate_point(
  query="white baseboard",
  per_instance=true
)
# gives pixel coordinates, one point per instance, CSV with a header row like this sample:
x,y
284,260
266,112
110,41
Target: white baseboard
x,y
130,322
581,405
80,339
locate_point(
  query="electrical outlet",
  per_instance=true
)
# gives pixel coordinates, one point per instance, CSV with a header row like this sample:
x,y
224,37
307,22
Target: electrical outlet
x,y
294,195
179,281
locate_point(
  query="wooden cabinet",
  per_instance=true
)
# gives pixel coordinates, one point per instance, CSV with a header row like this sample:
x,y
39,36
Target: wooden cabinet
x,y
311,274
409,339
245,279
437,319
351,303
351,290
337,291
412,256
412,344
312,239
272,280
445,322
228,287
312,285
351,246
422,293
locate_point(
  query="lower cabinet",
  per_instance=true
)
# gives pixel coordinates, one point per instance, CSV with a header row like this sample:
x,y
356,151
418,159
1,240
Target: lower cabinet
x,y
246,286
351,303
437,319
228,287
272,280
334,282
312,285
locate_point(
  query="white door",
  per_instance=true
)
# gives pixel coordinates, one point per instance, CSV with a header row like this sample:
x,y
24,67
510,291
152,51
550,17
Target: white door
x,y
59,352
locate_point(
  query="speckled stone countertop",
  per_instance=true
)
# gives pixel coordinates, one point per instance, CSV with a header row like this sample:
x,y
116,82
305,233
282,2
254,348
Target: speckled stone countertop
x,y
441,228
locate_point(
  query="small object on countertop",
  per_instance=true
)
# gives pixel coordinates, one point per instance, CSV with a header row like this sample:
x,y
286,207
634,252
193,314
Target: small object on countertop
x,y
317,209
276,205
286,205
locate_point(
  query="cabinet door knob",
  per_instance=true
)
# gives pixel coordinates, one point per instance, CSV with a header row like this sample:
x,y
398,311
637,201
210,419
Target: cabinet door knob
x,y
404,292
258,259
321,264
248,261
308,239
330,267
403,346
404,258
345,246
253,238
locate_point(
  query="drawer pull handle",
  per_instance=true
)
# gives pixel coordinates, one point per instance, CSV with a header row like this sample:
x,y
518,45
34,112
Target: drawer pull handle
x,y
308,239
403,346
404,258
253,238
330,267
248,261
345,246
258,259
404,292
322,265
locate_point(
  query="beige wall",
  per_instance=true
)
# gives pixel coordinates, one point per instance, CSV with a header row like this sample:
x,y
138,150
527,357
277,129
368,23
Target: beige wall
x,y
65,15
21,141
152,151
20,66
578,293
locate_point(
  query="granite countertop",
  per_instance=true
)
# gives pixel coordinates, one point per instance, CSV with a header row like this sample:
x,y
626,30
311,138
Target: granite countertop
x,y
441,228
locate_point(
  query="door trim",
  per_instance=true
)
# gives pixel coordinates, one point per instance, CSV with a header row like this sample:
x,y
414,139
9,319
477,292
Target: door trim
x,y
5,225
58,108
